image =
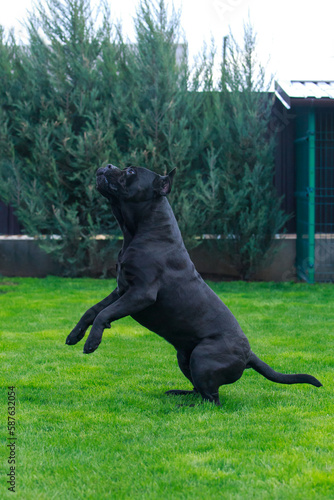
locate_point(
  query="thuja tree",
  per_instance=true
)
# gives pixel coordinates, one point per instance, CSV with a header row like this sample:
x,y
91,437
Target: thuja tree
x,y
247,213
158,119
210,136
60,128
161,110
172,119
80,95
8,54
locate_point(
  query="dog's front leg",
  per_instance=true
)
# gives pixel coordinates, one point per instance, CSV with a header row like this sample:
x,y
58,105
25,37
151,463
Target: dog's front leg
x,y
132,302
88,318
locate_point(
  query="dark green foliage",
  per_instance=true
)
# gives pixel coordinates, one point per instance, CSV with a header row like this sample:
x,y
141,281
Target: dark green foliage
x,y
252,214
62,128
159,116
158,126
79,95
235,190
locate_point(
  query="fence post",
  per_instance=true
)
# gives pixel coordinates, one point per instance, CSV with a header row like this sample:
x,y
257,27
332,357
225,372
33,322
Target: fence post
x,y
311,194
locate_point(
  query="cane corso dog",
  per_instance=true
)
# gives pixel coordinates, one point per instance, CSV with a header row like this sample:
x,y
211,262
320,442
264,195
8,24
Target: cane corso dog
x,y
158,286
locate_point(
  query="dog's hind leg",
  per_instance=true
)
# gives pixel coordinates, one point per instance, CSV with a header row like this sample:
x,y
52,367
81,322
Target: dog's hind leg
x,y
88,318
183,359
211,366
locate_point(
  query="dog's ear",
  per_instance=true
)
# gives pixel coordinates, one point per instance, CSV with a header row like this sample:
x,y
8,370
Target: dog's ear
x,y
163,184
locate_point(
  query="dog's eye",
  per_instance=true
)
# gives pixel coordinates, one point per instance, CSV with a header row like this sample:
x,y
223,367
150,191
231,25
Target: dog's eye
x,y
130,171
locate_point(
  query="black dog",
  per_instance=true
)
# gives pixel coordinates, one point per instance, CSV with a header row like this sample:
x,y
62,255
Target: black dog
x,y
159,287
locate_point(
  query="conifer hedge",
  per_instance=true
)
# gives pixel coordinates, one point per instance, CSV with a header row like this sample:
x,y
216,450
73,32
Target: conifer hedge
x,y
79,95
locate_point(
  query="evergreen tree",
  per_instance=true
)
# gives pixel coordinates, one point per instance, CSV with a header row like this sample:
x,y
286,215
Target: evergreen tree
x,y
79,95
159,118
157,125
209,139
252,213
62,126
234,191
7,82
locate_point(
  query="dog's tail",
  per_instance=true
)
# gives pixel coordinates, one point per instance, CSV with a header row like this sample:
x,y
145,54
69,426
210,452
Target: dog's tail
x,y
299,378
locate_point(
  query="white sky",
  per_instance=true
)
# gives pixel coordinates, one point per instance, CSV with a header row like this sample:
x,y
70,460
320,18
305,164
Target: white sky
x,y
296,36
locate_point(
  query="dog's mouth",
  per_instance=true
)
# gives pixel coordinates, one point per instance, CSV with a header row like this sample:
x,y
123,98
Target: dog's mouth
x,y
104,184
109,181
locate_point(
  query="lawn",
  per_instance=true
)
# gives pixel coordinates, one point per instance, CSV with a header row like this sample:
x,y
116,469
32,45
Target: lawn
x,y
101,427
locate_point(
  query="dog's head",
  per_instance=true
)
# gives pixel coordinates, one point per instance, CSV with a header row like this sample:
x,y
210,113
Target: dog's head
x,y
134,184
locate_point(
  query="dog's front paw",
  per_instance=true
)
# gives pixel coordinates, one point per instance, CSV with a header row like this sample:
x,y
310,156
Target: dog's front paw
x,y
76,335
91,346
95,337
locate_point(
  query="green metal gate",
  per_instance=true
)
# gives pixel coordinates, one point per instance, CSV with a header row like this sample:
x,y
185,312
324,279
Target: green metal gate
x,y
324,197
314,148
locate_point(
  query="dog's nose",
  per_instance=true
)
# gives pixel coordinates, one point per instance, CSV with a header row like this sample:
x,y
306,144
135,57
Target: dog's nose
x,y
111,167
104,170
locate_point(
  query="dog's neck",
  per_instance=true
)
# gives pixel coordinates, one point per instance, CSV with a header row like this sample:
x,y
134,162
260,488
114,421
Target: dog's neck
x,y
147,217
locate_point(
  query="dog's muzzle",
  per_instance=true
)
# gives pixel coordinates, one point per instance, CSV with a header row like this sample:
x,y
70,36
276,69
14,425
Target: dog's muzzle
x,y
109,168
106,178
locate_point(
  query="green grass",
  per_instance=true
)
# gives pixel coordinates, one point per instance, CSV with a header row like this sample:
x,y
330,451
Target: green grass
x,y
101,427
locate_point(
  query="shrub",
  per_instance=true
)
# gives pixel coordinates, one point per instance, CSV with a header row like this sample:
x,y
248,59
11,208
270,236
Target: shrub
x,y
79,95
